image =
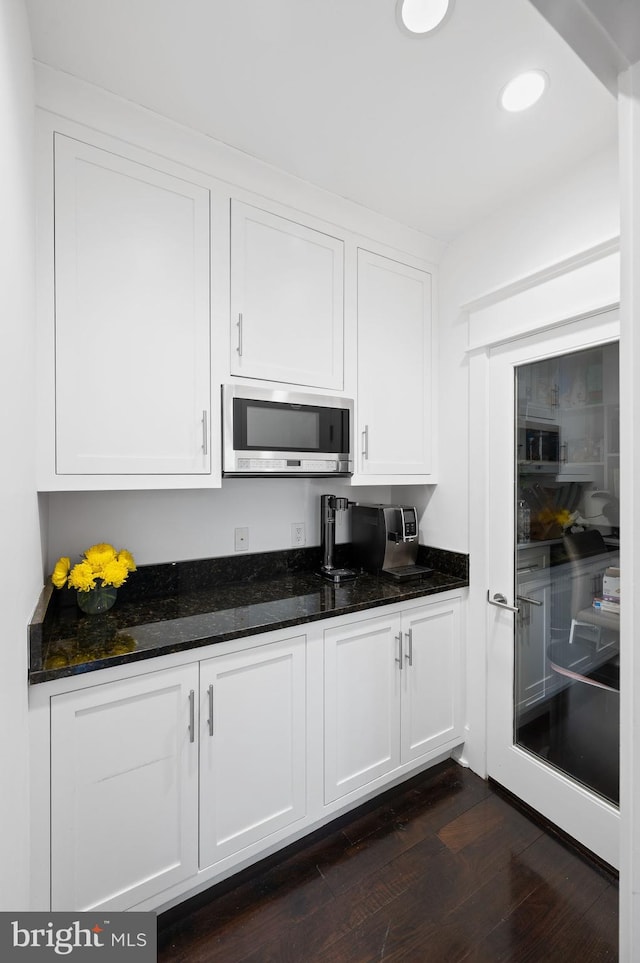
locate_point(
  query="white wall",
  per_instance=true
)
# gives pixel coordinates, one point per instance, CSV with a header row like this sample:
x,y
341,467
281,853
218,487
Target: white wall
x,y
20,580
167,526
567,217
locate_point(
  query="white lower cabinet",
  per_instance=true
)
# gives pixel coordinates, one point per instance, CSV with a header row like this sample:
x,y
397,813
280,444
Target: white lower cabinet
x,y
124,790
252,746
136,792
431,701
533,635
169,779
393,693
361,717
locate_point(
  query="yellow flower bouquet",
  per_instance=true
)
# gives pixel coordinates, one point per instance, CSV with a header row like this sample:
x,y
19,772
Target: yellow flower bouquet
x,y
96,577
551,522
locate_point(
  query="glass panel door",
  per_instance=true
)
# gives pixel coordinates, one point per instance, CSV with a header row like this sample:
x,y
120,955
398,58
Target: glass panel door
x,y
567,587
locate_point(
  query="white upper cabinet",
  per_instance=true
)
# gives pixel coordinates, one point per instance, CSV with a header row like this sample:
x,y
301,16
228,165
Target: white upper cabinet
x,y
287,304
394,368
132,355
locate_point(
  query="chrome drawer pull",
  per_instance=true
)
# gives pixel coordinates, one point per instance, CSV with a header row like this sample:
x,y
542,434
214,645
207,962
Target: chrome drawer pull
x,y
192,716
210,690
365,442
409,655
399,641
204,432
239,348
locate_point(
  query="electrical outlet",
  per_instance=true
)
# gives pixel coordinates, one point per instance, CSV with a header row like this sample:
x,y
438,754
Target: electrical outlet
x,y
242,539
297,534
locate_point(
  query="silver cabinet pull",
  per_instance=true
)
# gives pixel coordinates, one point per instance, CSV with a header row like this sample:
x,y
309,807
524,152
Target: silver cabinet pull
x,y
523,598
192,716
399,641
210,720
239,324
500,600
205,443
365,442
409,655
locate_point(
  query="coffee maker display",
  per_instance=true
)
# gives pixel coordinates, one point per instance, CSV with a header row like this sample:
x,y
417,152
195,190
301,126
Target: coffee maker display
x,y
385,540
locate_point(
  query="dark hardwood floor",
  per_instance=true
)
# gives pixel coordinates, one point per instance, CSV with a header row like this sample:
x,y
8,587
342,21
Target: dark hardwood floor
x,y
443,868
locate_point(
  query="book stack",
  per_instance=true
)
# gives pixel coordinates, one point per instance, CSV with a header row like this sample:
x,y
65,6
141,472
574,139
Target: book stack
x,y
609,601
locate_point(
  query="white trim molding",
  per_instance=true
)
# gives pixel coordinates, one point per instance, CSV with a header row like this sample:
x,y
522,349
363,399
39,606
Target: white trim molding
x,y
585,284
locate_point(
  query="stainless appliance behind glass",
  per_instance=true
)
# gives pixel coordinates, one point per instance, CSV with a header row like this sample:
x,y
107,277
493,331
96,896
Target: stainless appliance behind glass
x,y
283,433
385,539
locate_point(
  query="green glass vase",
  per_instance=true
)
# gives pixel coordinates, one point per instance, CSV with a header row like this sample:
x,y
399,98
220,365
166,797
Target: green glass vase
x,y
97,600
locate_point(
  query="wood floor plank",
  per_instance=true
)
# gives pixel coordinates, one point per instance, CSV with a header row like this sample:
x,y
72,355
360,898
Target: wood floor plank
x,y
239,919
552,918
354,907
426,806
455,936
443,869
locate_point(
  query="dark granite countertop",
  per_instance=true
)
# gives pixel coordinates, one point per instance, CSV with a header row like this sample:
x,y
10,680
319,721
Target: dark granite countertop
x,y
169,608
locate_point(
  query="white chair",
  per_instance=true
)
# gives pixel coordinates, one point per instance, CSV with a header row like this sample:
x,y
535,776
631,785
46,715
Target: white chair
x,y
588,554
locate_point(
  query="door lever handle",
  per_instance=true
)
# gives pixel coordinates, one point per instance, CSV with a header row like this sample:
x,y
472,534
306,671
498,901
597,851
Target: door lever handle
x,y
523,598
501,602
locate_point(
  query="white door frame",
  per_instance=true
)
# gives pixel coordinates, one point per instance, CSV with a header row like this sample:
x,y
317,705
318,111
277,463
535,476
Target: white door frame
x,y
629,152
584,285
593,822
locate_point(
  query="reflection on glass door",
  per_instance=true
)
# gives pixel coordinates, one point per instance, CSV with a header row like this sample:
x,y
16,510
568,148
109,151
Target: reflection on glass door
x,y
566,666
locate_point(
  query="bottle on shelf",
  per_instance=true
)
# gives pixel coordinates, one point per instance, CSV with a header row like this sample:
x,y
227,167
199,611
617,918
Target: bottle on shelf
x,y
524,521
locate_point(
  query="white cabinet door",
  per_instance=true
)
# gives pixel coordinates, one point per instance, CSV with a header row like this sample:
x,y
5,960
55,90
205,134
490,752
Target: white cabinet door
x,y
132,367
124,790
252,746
286,300
431,679
394,367
362,712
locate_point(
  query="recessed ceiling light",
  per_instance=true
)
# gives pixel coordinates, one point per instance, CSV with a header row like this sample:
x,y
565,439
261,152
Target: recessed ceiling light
x,y
419,17
524,90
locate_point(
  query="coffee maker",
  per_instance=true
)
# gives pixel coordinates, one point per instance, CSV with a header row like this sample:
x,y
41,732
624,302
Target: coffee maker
x,y
385,540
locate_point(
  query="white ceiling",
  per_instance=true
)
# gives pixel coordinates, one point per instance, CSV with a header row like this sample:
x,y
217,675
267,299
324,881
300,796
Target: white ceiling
x,y
333,92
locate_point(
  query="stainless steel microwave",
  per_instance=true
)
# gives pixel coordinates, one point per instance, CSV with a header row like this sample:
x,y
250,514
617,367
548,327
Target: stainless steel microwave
x,y
276,432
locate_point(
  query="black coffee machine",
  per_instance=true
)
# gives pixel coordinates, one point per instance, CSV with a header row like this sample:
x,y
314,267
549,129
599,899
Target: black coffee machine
x,y
385,540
